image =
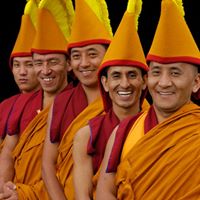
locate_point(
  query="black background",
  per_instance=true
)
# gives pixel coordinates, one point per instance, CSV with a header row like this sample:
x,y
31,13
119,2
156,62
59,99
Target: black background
x,y
12,10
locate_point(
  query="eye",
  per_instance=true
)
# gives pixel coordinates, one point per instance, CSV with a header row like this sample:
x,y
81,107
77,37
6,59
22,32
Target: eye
x,y
16,65
53,62
93,54
132,75
155,72
75,56
38,63
29,64
175,73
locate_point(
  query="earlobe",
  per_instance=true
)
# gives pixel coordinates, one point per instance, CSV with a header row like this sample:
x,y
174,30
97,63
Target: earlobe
x,y
104,83
196,83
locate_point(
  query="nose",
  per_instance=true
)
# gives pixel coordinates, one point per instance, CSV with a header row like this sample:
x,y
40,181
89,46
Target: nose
x,y
84,62
22,70
45,69
124,83
165,80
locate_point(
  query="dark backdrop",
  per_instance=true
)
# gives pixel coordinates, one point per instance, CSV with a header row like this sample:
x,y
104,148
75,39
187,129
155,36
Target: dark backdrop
x,y
12,10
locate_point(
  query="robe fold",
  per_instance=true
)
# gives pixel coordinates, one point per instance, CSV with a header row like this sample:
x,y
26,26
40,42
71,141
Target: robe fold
x,y
5,110
164,163
28,159
23,112
65,161
67,105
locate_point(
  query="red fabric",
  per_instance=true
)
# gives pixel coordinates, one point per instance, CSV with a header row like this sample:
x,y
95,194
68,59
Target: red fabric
x,y
67,106
24,110
5,110
101,129
121,134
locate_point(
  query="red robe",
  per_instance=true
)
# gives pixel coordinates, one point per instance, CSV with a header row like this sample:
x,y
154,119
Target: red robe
x,y
101,128
66,107
122,133
5,110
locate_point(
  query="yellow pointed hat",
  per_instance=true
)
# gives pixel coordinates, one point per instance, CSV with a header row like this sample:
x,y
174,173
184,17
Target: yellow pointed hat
x,y
125,48
53,26
91,24
173,41
26,33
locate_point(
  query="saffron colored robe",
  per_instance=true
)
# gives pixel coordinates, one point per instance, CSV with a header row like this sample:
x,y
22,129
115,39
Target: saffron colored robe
x,y
65,161
164,164
28,155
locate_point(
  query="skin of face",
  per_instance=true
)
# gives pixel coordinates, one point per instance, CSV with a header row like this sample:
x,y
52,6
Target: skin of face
x,y
24,74
85,62
125,85
51,71
171,85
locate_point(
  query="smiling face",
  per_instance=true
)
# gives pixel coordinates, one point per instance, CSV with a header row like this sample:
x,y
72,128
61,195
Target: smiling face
x,y
125,85
51,71
171,85
24,74
85,62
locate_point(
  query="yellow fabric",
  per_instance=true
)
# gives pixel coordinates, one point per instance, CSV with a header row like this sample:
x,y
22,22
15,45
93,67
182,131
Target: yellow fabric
x,y
87,28
48,37
164,164
136,133
145,105
27,155
65,162
126,47
173,39
25,37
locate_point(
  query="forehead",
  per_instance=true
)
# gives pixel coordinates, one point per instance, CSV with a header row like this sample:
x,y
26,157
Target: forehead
x,y
48,56
123,69
178,65
23,59
97,47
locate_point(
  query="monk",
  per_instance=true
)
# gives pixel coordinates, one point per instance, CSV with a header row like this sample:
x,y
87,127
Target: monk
x,y
21,64
159,152
122,80
87,47
21,168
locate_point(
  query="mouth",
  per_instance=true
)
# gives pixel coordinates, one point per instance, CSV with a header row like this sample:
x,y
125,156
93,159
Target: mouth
x,y
124,93
165,93
23,80
87,72
48,79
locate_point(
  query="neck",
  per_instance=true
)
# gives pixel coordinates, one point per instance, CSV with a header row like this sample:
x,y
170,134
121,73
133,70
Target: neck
x,y
91,93
123,113
48,98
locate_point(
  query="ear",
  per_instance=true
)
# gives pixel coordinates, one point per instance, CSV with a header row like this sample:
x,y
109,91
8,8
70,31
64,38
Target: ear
x,y
69,68
196,83
145,82
104,83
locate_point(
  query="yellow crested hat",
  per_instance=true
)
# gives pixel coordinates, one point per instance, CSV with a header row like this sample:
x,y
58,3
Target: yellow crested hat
x,y
26,33
125,48
91,24
53,26
173,41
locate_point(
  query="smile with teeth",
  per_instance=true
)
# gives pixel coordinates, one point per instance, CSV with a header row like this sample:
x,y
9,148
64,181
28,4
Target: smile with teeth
x,y
165,93
48,79
86,72
124,93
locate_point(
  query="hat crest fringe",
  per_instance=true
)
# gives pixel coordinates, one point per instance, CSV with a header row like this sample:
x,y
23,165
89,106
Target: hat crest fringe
x,y
135,7
31,10
62,11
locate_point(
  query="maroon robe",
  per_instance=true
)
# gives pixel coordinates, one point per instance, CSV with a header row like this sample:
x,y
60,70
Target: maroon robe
x,y
5,111
101,128
67,106
121,134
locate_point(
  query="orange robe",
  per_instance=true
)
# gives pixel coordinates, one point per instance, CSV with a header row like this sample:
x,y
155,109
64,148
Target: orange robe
x,y
27,155
164,164
65,162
